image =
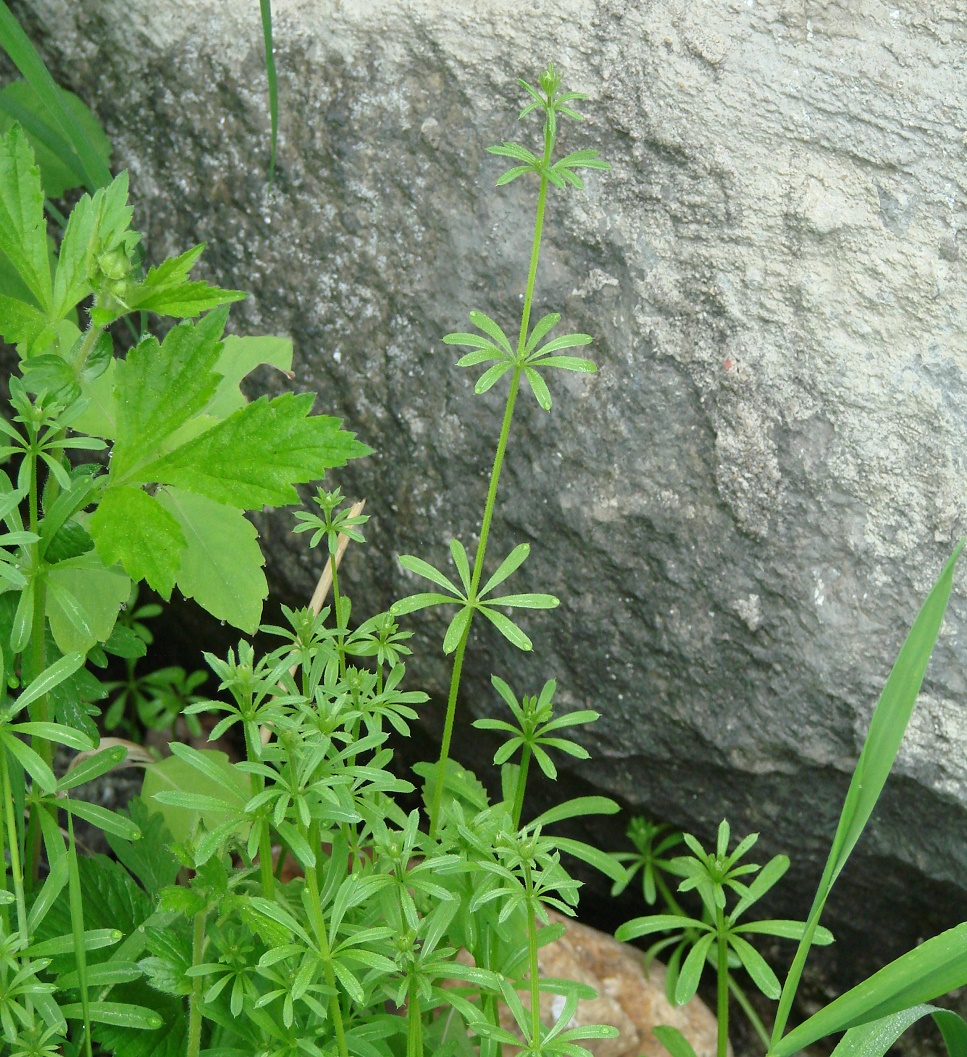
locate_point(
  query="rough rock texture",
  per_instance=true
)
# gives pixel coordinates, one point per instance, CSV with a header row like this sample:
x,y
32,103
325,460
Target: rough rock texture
x,y
630,998
742,511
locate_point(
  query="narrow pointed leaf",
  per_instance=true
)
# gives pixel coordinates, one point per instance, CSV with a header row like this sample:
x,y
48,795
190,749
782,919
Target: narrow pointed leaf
x,y
509,565
491,376
507,628
538,387
457,627
543,326
428,572
488,326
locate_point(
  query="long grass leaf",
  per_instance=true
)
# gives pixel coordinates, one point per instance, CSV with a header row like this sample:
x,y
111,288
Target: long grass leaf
x,y
273,81
887,727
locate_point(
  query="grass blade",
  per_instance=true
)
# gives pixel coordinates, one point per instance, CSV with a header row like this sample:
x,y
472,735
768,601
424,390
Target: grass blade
x,y
887,727
273,81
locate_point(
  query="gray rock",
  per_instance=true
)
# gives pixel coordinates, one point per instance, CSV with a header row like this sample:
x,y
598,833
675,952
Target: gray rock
x,y
743,510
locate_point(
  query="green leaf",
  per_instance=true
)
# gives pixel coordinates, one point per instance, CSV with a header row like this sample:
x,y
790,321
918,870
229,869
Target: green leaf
x,y
565,341
673,1041
148,858
691,971
240,356
787,930
645,926
538,387
71,282
17,45
176,775
491,376
507,628
167,968
935,967
221,564
120,1014
483,322
93,767
568,363
84,599
158,388
167,291
60,168
543,326
756,966
133,528
428,572
23,324
254,457
577,808
509,565
592,856
456,628
414,603
103,819
889,722
23,229
528,601
50,677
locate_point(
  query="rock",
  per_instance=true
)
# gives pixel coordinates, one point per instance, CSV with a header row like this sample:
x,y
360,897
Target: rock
x,y
743,510
630,998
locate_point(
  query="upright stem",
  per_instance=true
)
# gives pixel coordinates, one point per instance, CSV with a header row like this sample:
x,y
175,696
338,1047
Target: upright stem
x,y
494,480
253,742
525,760
723,985
341,637
197,985
322,939
534,971
414,1020
13,841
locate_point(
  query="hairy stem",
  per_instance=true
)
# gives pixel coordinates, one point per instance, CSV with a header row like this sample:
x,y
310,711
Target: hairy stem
x,y
414,1021
722,967
197,985
533,972
525,760
322,939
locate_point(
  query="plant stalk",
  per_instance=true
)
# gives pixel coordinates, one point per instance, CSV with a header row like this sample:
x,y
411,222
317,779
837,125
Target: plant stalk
x,y
534,970
414,1021
722,1049
197,985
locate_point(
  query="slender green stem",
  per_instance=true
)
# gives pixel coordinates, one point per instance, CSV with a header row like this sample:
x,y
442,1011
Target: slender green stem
x,y
494,481
534,970
266,6
16,869
77,927
474,586
414,1020
670,901
340,631
322,939
723,985
525,760
197,985
253,742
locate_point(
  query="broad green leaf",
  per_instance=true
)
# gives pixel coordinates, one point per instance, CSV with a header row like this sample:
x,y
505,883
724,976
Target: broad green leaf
x,y
99,418
97,592
875,1038
24,56
71,283
23,324
673,1041
60,168
175,775
254,457
935,967
221,564
148,858
133,528
158,388
240,356
953,1028
23,228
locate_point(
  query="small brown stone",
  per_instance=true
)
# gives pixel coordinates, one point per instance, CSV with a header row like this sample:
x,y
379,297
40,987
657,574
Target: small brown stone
x,y
629,998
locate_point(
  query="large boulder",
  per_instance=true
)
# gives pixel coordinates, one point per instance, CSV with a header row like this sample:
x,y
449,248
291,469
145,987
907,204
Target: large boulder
x,y
743,510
